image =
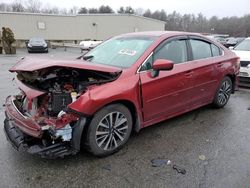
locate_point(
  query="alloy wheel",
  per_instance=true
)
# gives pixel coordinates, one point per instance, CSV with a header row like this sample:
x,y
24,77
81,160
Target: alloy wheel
x,y
224,92
111,131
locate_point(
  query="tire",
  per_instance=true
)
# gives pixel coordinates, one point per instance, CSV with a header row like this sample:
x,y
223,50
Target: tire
x,y
223,93
103,139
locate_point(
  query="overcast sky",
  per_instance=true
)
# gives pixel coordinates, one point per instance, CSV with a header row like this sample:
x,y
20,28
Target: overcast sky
x,y
221,8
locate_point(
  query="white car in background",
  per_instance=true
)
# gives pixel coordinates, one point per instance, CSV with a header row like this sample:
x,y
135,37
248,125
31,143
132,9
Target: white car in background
x,y
89,44
242,50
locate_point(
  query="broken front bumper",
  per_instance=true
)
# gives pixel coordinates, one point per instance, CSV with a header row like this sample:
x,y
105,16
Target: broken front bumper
x,y
20,129
17,139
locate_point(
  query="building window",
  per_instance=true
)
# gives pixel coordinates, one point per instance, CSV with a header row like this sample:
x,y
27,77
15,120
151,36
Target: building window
x,y
41,25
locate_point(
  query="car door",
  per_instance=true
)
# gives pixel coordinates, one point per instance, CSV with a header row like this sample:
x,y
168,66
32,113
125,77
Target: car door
x,y
171,91
206,70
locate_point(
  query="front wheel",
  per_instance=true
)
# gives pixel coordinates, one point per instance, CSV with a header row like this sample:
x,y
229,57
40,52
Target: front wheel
x,y
109,130
223,93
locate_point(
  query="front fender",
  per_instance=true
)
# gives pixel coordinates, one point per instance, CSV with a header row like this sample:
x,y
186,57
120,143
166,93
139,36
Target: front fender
x,y
97,97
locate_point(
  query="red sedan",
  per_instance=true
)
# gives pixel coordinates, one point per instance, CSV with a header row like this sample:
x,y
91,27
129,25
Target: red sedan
x,y
127,83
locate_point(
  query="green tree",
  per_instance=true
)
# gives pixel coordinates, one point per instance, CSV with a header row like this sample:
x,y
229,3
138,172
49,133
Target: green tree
x,y
105,9
148,13
129,10
17,7
83,10
121,10
93,10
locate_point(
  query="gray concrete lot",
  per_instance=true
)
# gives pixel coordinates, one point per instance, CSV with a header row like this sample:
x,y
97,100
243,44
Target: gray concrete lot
x,y
211,145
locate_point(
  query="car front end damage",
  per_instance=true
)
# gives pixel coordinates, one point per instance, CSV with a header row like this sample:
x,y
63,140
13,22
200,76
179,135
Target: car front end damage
x,y
50,138
38,119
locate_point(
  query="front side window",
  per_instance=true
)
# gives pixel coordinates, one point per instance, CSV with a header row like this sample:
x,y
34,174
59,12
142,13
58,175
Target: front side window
x,y
175,51
201,49
119,52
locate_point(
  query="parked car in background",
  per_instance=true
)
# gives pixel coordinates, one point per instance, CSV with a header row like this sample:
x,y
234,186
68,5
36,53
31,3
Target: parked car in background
x,y
126,83
233,41
240,39
243,51
37,44
221,40
218,38
89,44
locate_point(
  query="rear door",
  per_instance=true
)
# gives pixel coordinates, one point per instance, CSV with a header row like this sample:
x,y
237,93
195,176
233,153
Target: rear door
x,y
171,91
207,69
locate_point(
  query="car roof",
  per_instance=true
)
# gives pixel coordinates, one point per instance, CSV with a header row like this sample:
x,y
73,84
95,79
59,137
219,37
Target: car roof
x,y
158,34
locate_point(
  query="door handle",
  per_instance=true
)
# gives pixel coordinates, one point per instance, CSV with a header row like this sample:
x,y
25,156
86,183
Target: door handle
x,y
188,73
219,65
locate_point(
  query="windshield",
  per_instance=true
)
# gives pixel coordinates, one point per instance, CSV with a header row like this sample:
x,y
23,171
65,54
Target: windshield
x,y
37,40
119,52
243,46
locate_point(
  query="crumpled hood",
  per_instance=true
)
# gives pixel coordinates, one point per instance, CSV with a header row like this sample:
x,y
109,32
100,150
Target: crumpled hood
x,y
33,64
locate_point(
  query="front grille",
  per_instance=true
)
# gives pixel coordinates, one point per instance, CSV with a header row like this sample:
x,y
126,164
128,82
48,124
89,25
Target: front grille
x,y
245,74
244,63
37,47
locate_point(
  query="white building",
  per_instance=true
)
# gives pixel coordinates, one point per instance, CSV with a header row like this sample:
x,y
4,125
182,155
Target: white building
x,y
76,27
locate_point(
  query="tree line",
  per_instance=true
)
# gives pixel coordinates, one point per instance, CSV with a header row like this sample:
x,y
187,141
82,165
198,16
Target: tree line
x,y
233,26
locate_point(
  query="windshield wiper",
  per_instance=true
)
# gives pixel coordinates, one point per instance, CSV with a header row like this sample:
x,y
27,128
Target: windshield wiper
x,y
87,57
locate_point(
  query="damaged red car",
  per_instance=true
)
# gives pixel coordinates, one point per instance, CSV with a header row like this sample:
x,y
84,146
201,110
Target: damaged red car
x,y
126,83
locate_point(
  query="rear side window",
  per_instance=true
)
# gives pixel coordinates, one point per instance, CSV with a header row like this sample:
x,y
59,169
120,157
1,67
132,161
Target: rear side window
x,y
201,49
215,50
175,51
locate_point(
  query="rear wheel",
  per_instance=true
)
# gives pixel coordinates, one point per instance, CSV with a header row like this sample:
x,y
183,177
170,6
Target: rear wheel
x,y
223,93
109,130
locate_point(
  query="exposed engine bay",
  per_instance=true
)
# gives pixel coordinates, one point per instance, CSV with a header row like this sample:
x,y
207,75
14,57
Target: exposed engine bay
x,y
62,86
42,118
59,86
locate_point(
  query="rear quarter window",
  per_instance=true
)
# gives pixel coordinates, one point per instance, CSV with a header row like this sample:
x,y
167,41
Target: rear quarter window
x,y
215,50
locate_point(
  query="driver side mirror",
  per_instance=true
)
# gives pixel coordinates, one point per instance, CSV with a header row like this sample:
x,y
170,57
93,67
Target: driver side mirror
x,y
161,65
